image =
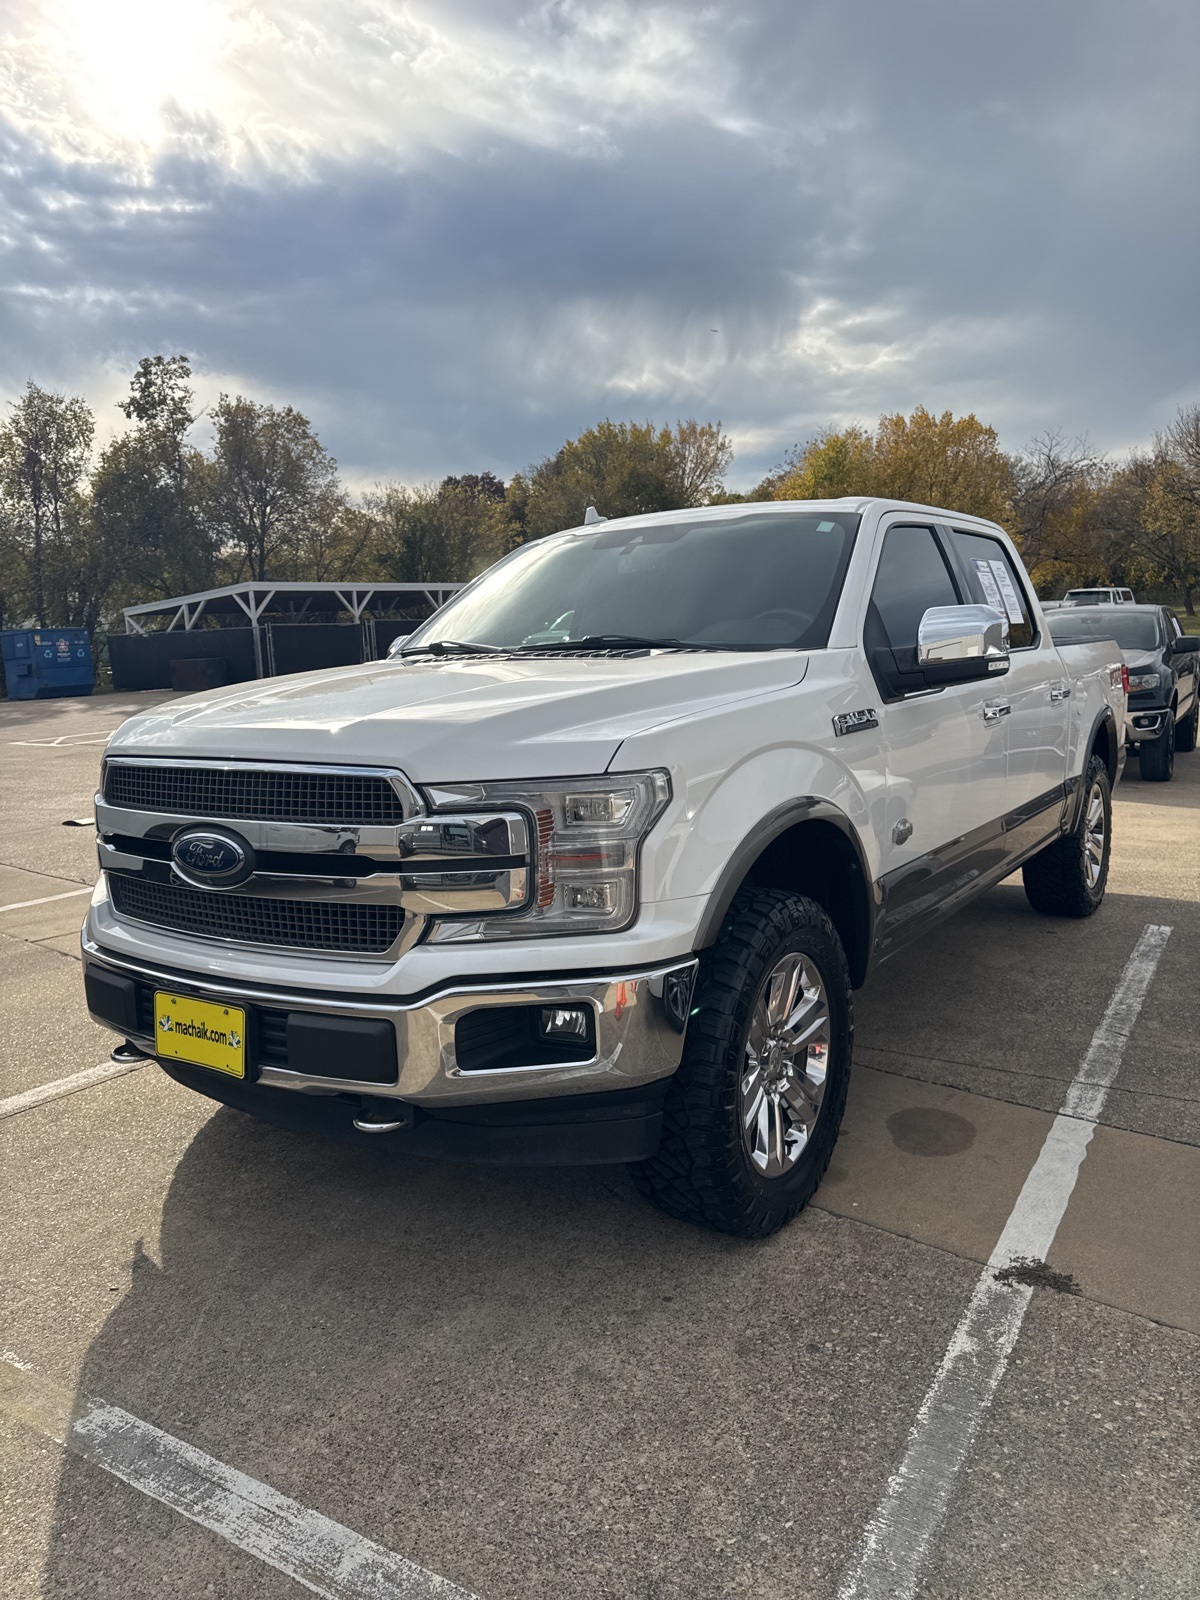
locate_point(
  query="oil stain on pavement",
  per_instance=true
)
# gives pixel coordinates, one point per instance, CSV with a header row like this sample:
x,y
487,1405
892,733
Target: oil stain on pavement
x,y
926,1131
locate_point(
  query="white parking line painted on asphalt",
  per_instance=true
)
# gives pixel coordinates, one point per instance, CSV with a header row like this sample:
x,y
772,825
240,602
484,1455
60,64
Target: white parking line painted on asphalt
x,y
897,1540
323,1555
61,1086
23,905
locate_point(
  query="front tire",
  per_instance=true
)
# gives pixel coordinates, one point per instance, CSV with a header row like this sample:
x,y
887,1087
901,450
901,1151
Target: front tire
x,y
752,1115
1156,757
1068,877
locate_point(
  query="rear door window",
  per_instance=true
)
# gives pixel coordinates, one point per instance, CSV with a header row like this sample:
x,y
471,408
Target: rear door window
x,y
994,581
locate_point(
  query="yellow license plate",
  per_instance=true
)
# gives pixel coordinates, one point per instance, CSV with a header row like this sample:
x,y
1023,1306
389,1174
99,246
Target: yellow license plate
x,y
201,1032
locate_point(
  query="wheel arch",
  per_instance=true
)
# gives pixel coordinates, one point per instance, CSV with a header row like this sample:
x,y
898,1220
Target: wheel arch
x,y
808,846
1105,743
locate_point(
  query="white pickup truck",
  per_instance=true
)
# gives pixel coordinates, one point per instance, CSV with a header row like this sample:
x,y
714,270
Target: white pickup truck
x,y
588,870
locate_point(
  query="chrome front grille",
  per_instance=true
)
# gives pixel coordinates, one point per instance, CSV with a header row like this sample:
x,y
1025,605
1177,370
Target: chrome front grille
x,y
346,929
336,860
215,791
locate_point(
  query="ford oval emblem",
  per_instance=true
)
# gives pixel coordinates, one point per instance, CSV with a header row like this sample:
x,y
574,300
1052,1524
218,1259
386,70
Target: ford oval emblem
x,y
212,860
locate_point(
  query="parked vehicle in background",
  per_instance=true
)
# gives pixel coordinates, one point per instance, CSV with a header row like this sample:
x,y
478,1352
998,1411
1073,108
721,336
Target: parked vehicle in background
x,y
1098,597
588,869
1164,678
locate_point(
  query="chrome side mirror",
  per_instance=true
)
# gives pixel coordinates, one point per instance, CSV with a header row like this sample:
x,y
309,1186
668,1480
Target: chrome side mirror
x,y
963,633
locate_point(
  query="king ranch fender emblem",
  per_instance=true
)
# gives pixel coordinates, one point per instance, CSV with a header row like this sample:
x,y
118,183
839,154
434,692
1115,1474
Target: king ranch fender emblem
x,y
854,721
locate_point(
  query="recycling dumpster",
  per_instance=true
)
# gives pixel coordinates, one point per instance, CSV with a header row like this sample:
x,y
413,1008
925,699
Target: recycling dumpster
x,y
47,663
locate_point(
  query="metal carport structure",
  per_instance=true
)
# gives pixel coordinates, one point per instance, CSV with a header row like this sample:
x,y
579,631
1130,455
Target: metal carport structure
x,y
276,623
254,599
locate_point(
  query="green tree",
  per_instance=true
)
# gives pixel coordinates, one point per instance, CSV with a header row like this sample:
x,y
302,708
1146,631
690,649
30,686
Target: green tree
x,y
157,481
448,531
44,449
624,469
136,526
273,491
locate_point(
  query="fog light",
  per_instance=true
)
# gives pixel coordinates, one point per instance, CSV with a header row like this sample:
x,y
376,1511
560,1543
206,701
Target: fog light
x,y
564,1022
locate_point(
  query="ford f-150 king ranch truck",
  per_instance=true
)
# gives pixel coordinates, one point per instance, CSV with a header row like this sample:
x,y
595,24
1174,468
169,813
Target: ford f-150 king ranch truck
x,y
588,870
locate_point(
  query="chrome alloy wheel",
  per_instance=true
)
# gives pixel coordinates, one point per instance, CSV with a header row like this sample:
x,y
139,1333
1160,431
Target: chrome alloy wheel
x,y
1094,829
787,1056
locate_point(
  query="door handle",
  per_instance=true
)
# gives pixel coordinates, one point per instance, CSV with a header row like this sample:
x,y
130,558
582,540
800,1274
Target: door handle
x,y
1061,692
993,710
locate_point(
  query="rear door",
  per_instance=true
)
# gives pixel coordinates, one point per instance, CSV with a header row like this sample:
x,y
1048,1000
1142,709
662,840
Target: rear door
x,y
1035,693
944,749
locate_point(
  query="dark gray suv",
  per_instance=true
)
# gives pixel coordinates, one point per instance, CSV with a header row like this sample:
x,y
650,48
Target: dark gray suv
x,y
1164,676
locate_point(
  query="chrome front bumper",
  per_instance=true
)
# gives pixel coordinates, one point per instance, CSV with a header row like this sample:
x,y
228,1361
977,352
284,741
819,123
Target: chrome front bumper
x,y
639,1021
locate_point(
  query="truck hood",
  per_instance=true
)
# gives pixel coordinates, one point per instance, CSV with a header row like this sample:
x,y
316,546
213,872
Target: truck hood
x,y
448,721
1142,660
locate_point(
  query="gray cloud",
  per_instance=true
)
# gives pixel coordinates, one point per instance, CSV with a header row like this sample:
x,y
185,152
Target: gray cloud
x,y
876,206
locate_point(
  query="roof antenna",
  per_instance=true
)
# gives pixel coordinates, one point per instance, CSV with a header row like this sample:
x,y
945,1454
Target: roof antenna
x,y
592,515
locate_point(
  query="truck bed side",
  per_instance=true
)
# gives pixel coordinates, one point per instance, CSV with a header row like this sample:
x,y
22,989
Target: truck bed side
x,y
1094,673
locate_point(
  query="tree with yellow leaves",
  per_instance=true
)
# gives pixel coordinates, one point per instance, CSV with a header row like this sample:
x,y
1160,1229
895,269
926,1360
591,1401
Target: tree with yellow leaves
x,y
933,460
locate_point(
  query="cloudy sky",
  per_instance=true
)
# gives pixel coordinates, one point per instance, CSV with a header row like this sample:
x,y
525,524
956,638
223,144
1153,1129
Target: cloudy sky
x,y
455,232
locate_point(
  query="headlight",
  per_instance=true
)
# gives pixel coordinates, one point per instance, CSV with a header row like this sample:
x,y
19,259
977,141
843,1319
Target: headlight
x,y
589,834
1143,680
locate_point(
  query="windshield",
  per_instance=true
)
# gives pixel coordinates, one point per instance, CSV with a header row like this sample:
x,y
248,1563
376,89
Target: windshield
x,y
1089,597
761,581
1133,630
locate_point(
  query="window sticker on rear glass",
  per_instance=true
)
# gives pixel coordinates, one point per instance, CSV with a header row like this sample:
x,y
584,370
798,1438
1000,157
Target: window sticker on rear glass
x,y
1012,601
988,584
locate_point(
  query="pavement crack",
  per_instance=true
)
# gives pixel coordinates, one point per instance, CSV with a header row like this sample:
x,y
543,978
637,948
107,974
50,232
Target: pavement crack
x,y
1079,1294
1028,1105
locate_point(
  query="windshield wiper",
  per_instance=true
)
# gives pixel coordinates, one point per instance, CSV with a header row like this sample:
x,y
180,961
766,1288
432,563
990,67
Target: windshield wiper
x,y
451,647
612,641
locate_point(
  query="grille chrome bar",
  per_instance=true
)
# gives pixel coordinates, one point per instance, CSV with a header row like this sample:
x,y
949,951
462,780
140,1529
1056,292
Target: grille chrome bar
x,y
434,893
448,839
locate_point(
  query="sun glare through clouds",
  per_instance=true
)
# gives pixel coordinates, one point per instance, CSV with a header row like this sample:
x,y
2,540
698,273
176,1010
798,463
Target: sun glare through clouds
x,y
95,78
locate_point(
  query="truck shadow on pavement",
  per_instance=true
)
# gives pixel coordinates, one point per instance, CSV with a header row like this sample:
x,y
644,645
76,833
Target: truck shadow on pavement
x,y
524,1380
529,1382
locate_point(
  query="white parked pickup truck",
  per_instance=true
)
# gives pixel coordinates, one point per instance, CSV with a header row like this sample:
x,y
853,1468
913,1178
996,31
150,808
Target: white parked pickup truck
x,y
588,870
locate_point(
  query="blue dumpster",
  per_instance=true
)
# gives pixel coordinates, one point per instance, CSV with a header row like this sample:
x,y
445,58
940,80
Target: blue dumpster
x,y
45,663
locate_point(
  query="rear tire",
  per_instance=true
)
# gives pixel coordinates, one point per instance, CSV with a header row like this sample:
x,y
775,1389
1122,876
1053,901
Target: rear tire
x,y
1156,757
752,1115
1186,731
1068,878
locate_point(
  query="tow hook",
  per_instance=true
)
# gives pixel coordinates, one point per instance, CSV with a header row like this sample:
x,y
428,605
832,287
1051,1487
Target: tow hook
x,y
383,1116
127,1051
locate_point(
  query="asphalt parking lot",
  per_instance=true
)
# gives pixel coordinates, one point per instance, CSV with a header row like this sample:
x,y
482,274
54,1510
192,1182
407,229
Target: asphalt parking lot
x,y
530,1384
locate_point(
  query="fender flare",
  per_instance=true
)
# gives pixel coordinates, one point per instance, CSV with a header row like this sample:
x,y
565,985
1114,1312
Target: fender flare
x,y
1105,719
808,808
1074,785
